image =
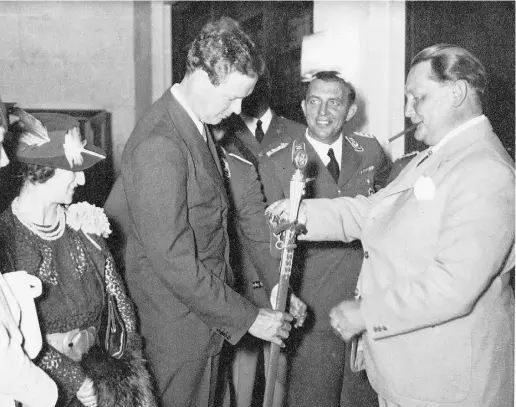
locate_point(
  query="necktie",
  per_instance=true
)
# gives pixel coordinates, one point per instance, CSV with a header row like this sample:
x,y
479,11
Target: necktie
x,y
333,166
259,134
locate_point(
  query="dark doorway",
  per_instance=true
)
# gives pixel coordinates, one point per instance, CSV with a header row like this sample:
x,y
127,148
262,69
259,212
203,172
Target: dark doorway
x,y
276,26
486,28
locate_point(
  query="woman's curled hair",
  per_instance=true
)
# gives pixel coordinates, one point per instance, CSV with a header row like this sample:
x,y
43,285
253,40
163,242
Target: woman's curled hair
x,y
34,173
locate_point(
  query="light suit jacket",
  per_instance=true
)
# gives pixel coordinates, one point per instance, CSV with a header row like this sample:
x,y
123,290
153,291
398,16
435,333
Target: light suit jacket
x,y
326,273
20,339
434,284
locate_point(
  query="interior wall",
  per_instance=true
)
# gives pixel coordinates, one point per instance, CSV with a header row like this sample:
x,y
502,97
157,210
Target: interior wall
x,y
70,55
372,37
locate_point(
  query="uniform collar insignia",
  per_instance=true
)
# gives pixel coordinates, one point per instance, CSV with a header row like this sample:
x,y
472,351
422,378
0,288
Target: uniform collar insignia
x,y
354,144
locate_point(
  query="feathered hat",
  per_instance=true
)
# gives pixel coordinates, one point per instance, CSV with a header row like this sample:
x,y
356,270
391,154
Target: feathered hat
x,y
53,140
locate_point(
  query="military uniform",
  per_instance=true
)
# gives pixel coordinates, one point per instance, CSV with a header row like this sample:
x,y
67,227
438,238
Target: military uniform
x,y
255,270
254,267
280,130
325,273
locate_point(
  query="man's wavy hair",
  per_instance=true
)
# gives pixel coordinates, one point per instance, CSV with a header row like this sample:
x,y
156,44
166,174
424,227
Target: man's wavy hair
x,y
451,63
222,47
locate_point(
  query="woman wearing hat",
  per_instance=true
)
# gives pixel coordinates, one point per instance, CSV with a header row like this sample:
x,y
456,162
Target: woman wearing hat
x,y
63,245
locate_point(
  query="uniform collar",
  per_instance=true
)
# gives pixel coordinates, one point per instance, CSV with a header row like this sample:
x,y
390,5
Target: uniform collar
x,y
322,148
251,121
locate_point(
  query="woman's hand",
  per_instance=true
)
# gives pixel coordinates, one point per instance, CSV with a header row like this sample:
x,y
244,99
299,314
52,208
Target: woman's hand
x,y
86,394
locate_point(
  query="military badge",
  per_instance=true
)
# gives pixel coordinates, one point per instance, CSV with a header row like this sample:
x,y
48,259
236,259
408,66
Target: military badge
x,y
368,169
354,144
275,149
257,284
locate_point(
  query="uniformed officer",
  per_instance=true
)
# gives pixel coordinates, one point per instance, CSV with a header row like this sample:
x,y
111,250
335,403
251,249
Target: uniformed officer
x,y
256,271
258,128
325,273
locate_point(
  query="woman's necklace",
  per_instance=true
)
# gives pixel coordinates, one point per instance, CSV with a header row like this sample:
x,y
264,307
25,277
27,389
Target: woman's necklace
x,y
52,232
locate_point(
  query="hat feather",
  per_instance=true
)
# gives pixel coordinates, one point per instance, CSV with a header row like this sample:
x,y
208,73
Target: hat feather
x,y
32,130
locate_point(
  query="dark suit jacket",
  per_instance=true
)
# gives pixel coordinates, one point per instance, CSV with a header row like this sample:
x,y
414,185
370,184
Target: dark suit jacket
x,y
281,130
256,271
326,273
177,256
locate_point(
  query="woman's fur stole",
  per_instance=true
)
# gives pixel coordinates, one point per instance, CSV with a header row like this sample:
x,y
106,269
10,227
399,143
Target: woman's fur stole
x,y
123,382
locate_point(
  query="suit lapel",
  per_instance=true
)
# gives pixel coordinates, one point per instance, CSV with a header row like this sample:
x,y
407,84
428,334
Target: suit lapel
x,y
427,168
273,134
350,162
213,150
189,132
243,133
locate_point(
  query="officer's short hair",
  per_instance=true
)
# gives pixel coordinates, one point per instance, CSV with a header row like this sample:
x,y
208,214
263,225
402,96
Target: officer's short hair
x,y
222,47
451,63
334,76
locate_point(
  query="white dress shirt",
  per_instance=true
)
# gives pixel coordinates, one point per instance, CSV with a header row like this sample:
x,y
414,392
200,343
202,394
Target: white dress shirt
x,y
322,149
251,121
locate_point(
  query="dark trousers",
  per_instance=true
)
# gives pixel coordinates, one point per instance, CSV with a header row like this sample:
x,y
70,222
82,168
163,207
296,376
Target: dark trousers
x,y
316,370
319,373
184,384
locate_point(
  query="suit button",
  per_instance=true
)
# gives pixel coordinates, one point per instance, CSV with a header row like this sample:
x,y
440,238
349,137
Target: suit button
x,y
368,180
366,255
338,191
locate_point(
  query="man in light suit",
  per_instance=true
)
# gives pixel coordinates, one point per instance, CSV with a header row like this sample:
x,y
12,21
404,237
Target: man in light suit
x,y
434,317
177,255
258,129
326,273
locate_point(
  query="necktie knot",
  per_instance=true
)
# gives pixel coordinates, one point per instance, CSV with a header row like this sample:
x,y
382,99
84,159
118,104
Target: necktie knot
x,y
259,134
333,166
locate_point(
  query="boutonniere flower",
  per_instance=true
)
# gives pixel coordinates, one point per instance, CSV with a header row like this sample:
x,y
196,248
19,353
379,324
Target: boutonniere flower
x,y
89,219
424,189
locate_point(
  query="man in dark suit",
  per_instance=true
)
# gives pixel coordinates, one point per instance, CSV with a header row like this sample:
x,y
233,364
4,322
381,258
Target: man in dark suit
x,y
339,164
258,128
177,256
